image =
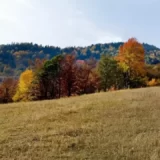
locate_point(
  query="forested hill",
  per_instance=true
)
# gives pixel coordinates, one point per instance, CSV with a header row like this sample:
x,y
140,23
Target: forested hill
x,y
16,57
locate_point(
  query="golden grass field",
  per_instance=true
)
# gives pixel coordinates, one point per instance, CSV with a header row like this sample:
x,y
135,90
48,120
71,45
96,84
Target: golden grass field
x,y
120,125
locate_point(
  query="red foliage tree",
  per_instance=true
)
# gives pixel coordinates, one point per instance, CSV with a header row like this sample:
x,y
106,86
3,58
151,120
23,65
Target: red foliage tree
x,y
7,90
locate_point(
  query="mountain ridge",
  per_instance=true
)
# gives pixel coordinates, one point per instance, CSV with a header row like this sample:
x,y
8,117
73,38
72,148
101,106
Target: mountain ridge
x,y
16,57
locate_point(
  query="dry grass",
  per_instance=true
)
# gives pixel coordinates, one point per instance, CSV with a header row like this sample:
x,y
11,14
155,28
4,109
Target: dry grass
x,y
123,125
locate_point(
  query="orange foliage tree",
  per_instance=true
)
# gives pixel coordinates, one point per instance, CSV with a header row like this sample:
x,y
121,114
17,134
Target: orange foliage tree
x,y
131,59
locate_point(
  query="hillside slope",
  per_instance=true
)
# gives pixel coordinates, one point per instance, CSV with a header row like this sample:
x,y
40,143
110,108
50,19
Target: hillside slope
x,y
115,125
15,58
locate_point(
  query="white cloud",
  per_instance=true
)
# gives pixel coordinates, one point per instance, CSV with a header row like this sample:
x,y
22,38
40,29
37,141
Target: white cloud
x,y
53,22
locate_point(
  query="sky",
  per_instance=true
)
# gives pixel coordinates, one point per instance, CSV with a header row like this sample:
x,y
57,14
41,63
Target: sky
x,y
66,23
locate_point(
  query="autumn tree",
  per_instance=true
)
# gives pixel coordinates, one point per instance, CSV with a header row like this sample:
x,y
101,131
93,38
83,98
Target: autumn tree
x,y
22,92
131,58
69,70
82,77
7,90
86,77
93,82
1,95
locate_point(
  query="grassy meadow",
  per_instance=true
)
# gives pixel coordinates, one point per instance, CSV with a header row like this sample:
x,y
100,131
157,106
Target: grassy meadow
x,y
120,125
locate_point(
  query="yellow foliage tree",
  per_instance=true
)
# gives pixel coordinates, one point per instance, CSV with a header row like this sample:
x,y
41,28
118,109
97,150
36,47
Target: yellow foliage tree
x,y
24,84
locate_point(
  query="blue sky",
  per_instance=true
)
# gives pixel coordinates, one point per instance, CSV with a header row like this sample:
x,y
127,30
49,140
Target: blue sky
x,y
79,22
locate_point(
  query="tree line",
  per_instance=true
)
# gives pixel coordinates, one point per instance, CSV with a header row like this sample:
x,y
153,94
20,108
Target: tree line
x,y
65,76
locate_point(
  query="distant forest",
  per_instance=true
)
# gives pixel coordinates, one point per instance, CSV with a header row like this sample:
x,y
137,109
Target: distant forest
x,y
16,57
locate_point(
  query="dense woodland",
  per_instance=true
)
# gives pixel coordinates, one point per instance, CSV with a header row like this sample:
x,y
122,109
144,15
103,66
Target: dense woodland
x,y
15,58
73,74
